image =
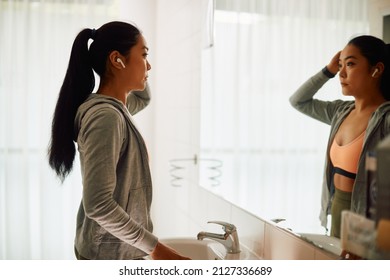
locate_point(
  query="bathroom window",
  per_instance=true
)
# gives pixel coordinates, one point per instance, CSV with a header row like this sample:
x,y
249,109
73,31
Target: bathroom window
x,y
259,53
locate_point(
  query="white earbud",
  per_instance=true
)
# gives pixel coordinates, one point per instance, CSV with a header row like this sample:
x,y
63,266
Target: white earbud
x,y
376,71
121,62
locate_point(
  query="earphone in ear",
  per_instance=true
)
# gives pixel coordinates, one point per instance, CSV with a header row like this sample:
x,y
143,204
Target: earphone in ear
x,y
121,62
376,71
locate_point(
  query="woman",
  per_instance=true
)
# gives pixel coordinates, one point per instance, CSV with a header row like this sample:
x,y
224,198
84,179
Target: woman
x,y
356,126
113,221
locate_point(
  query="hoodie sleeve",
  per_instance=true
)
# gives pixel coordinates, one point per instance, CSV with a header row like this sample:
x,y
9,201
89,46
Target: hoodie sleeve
x,y
100,141
303,100
138,100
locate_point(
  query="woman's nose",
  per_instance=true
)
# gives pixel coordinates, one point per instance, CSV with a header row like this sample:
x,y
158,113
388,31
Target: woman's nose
x,y
148,66
342,72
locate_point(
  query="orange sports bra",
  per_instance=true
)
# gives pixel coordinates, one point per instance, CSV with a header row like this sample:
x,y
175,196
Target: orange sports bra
x,y
346,157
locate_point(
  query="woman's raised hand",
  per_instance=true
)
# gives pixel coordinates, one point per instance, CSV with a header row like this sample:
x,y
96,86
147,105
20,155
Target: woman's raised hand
x,y
333,65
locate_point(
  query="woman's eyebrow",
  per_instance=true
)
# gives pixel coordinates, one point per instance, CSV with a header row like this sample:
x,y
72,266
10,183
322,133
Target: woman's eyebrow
x,y
348,57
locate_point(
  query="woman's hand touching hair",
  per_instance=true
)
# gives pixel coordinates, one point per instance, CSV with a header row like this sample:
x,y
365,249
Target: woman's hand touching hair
x,y
333,66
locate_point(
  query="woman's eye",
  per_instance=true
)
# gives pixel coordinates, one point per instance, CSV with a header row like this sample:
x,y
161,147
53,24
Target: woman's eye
x,y
350,63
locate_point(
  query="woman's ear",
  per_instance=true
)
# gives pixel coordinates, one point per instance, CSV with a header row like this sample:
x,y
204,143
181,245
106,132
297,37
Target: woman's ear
x,y
378,70
116,60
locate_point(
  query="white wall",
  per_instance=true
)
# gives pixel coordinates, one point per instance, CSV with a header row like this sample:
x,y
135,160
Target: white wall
x,y
170,124
176,99
143,14
377,9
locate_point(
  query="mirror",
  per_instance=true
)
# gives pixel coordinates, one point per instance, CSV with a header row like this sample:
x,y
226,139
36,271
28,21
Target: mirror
x,y
271,156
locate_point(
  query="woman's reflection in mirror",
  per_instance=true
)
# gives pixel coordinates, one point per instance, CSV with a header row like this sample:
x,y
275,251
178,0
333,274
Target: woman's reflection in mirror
x,y
356,126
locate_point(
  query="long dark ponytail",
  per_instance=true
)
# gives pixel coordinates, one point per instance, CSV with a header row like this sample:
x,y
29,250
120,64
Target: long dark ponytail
x,y
79,83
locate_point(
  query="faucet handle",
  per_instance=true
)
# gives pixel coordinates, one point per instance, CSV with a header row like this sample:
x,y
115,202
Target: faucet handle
x,y
228,228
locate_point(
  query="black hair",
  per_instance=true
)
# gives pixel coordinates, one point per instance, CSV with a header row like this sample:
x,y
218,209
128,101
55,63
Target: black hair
x,y
376,50
79,83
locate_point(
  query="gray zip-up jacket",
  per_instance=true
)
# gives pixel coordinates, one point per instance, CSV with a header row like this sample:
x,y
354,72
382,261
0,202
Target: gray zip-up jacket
x,y
113,220
333,113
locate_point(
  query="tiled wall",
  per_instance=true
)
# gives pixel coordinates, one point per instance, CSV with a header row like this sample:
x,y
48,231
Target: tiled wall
x,y
185,210
176,97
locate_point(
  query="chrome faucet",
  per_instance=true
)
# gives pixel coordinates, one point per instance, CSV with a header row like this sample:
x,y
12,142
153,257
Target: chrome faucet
x,y
229,239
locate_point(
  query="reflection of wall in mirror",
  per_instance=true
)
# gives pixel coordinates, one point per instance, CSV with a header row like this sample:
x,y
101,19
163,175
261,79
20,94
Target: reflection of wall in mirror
x,y
379,18
386,29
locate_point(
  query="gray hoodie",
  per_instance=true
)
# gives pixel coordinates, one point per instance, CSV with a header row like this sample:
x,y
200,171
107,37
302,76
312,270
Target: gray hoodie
x,y
333,113
113,220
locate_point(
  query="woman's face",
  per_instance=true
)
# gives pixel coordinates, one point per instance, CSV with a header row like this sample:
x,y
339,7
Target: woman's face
x,y
354,72
137,65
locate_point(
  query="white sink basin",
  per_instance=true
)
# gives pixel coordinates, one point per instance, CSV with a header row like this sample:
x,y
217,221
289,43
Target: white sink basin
x,y
196,249
205,249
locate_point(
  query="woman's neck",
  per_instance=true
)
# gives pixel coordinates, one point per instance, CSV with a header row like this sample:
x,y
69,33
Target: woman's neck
x,y
370,103
113,91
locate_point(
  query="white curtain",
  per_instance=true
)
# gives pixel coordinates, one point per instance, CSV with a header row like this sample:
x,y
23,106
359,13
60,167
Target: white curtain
x,y
272,155
37,212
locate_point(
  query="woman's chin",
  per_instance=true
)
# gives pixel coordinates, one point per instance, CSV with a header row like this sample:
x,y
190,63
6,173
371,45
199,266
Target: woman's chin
x,y
138,88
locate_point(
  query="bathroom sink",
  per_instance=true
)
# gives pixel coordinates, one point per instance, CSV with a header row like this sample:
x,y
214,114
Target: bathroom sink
x,y
204,249
328,243
196,249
